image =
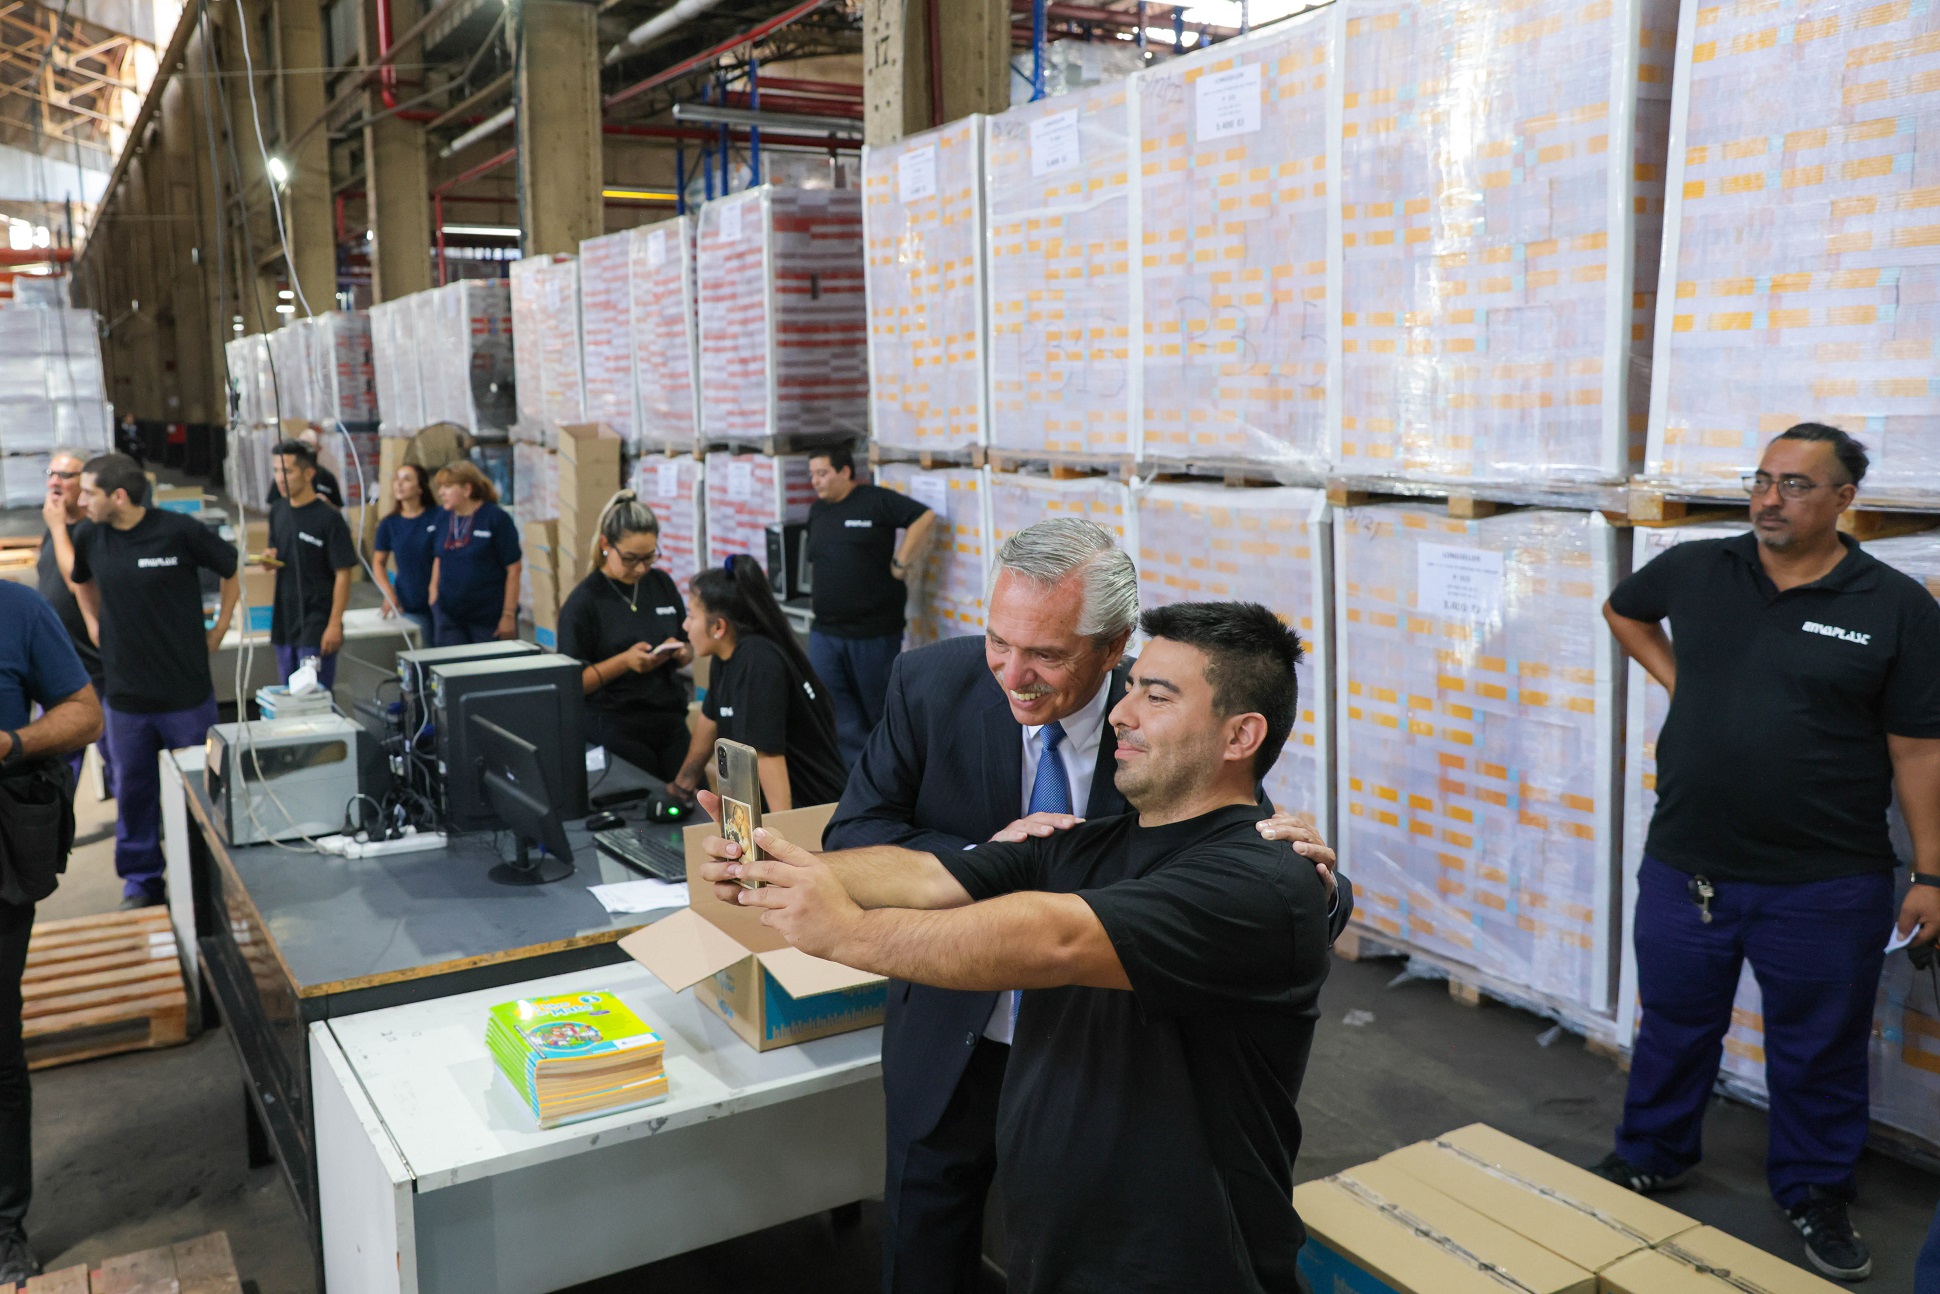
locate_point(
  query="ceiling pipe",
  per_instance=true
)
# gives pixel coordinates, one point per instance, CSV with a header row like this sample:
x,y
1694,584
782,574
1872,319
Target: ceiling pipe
x,y
387,79
490,126
659,25
800,123
687,65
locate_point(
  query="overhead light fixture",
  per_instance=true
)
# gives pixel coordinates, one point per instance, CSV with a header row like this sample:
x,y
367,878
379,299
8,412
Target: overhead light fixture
x,y
640,195
490,126
482,231
286,309
795,122
277,171
285,294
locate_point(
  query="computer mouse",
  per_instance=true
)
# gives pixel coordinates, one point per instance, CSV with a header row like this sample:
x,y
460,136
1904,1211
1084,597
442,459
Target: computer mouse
x,y
664,810
604,822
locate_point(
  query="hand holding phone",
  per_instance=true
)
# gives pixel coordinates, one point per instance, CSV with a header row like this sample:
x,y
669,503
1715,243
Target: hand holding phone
x,y
740,784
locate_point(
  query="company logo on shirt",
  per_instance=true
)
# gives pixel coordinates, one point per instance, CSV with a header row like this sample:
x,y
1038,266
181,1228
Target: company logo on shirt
x,y
482,534
665,611
309,538
864,524
155,561
727,712
1834,631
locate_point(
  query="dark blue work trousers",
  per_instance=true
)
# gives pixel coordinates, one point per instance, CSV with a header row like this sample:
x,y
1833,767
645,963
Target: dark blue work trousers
x,y
1817,949
137,740
856,673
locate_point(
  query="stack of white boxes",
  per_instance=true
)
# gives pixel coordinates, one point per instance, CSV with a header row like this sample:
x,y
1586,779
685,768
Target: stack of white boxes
x,y
342,381
666,362
946,599
546,343
249,369
607,348
783,320
52,393
1020,499
672,486
923,223
747,493
465,355
395,357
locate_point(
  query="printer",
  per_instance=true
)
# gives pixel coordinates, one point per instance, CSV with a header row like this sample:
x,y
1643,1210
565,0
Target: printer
x,y
281,779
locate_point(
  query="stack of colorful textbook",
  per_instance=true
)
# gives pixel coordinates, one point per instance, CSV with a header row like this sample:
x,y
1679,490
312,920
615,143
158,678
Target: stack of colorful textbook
x,y
576,1056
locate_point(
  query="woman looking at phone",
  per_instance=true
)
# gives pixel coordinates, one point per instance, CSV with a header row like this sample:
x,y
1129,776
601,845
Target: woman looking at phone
x,y
624,622
761,691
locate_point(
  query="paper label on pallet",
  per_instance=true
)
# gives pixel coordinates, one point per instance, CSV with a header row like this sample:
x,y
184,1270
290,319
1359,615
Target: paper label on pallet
x,y
740,480
1229,102
1462,584
1054,143
666,480
731,222
916,174
933,492
656,249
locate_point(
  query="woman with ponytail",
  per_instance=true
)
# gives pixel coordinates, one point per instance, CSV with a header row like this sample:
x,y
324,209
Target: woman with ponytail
x,y
761,692
624,623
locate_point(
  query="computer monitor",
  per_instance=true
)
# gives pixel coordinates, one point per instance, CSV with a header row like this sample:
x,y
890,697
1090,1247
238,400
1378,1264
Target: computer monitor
x,y
538,698
513,781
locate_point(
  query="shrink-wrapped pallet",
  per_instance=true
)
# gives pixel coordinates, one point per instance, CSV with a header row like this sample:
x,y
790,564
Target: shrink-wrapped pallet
x,y
747,493
946,601
666,362
1234,217
606,333
1801,240
395,355
469,324
23,480
1059,265
546,341
1905,1061
672,485
1207,543
535,479
1020,499
248,361
783,320
1476,741
421,322
352,456
289,360
923,223
1501,189
342,381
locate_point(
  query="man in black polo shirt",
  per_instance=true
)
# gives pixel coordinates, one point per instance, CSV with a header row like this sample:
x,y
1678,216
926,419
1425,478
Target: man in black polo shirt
x,y
310,543
859,589
1170,959
1805,685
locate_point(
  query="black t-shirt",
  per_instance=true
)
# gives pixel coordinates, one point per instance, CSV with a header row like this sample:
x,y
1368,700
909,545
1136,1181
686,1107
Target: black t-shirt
x,y
1772,764
154,648
760,699
851,544
313,543
1147,1139
599,621
324,483
47,574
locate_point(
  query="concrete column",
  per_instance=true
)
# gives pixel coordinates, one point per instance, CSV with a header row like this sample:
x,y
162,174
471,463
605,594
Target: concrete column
x,y
974,37
192,295
307,215
397,177
560,166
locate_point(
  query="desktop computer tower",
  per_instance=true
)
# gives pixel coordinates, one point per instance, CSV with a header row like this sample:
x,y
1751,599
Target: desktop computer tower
x,y
537,697
413,665
789,570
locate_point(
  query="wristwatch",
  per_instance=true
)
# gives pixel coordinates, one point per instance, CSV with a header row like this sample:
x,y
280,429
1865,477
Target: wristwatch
x,y
1923,878
14,746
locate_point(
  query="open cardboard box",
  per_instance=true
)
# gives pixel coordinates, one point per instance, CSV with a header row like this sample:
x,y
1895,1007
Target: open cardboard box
x,y
770,994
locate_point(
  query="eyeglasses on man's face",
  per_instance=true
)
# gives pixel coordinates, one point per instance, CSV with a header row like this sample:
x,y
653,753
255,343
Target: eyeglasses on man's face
x,y
55,474
1791,487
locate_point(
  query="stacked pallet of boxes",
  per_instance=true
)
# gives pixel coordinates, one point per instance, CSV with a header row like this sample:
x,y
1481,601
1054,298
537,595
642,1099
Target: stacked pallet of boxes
x,y
1059,231
672,486
343,403
607,348
394,368
1476,744
546,342
1234,230
1801,240
946,601
783,323
666,363
1207,543
51,393
1906,1022
747,493
464,343
1020,499
923,222
1501,184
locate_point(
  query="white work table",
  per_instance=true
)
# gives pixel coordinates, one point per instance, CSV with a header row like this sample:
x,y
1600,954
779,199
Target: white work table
x,y
434,1176
369,636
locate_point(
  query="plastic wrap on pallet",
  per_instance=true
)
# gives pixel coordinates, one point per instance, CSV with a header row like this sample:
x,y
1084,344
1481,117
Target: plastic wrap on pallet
x,y
289,360
545,338
1234,215
23,480
747,493
666,362
1501,189
1476,740
1802,241
343,381
672,485
247,471
947,601
1059,256
606,334
535,479
923,222
1020,499
1206,543
1905,1041
474,331
397,352
352,456
783,321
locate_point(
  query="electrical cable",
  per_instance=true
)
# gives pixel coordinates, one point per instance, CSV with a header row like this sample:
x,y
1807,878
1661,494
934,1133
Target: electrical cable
x,y
275,193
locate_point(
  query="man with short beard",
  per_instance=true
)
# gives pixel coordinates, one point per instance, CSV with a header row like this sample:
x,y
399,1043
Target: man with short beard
x,y
1805,685
1170,961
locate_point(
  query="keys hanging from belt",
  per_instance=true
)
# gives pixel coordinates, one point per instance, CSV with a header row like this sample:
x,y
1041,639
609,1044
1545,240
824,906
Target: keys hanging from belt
x,y
1702,892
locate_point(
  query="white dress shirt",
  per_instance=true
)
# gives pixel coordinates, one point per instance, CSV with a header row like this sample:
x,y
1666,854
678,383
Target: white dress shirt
x,y
1083,730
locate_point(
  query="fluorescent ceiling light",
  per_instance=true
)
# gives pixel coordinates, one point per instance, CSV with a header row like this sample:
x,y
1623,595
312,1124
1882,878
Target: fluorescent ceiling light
x,y
285,294
797,122
482,231
286,309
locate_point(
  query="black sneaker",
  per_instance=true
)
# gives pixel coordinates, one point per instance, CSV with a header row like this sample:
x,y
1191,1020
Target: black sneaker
x,y
1830,1242
17,1261
1615,1168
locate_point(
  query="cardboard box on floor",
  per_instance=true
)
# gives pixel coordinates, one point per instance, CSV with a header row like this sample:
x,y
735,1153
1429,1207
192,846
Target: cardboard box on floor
x,y
545,608
769,994
1568,1210
1377,1228
1707,1261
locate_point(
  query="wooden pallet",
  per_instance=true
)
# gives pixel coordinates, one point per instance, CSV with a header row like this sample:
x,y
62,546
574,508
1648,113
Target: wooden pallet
x,y
200,1266
928,459
99,985
1471,500
1059,467
776,446
1872,516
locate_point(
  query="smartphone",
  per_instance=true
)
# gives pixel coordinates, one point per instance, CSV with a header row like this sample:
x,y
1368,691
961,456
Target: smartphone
x,y
738,776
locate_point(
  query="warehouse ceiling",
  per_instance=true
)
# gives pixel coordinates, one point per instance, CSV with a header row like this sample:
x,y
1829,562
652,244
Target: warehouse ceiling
x,y
70,83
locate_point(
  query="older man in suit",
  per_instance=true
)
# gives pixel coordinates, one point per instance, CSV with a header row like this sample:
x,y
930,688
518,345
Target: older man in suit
x,y
992,738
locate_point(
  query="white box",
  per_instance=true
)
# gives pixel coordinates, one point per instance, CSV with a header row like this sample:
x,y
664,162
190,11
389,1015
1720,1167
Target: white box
x,y
946,599
674,487
607,349
747,493
666,344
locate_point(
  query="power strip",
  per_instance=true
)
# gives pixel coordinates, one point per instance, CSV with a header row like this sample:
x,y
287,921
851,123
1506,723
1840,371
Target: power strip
x,y
412,842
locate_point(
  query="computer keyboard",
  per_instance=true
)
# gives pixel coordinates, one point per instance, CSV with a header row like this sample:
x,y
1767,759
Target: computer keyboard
x,y
646,849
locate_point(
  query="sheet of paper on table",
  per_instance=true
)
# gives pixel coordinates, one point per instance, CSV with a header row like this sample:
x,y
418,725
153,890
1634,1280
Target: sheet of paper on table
x,y
639,896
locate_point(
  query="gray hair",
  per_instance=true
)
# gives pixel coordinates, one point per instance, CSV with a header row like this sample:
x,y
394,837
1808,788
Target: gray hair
x,y
1049,551
68,451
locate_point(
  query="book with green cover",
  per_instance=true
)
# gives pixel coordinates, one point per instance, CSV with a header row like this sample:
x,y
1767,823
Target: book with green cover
x,y
576,1055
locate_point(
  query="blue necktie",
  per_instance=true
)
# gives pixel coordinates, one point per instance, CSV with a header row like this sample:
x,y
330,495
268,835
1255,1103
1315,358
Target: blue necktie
x,y
1050,793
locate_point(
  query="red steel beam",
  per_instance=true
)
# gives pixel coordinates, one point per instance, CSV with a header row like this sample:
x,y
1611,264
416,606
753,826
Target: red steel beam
x,y
485,167
686,65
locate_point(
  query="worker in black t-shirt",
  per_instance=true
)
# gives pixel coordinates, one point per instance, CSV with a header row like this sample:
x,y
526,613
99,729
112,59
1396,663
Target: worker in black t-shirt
x,y
54,576
325,481
313,554
761,691
1171,961
859,591
1805,686
624,622
138,573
